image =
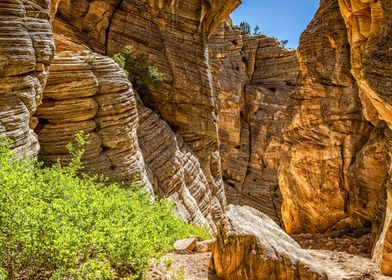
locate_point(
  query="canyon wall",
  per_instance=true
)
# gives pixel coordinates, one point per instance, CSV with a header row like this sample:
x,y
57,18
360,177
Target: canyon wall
x,y
334,160
170,147
369,25
26,50
254,76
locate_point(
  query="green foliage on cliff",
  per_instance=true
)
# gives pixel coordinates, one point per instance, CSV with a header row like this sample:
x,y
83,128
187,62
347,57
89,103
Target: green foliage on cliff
x,y
140,72
55,225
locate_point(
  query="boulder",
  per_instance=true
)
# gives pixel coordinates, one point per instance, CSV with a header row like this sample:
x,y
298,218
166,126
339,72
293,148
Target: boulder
x,y
250,245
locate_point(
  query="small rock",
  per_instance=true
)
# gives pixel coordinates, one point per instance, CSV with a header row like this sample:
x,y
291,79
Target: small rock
x,y
352,249
330,245
205,246
185,245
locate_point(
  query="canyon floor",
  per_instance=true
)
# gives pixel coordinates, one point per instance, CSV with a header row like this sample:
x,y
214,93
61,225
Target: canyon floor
x,y
339,263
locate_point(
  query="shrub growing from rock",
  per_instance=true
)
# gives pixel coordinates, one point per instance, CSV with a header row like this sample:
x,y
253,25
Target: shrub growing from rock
x,y
141,73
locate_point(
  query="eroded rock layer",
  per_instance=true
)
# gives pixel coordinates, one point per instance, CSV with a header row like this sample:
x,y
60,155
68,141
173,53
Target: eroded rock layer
x,y
173,37
26,50
325,134
175,170
249,245
78,98
369,26
254,76
91,96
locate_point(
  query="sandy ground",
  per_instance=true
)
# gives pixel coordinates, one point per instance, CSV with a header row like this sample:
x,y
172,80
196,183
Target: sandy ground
x,y
340,266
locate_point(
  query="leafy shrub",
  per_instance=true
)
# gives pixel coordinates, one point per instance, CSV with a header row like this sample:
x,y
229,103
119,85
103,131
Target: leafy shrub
x,y
55,225
140,72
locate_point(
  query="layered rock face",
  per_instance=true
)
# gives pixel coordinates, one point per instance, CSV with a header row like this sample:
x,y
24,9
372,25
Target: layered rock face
x,y
254,76
87,92
96,98
250,245
173,37
175,171
328,148
26,50
369,25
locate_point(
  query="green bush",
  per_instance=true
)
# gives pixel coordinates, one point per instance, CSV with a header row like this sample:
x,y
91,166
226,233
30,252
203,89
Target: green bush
x,y
55,225
140,72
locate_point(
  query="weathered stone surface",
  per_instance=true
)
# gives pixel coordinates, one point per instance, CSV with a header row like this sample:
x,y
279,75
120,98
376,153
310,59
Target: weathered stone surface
x,y
173,37
89,17
253,78
369,26
325,134
367,174
175,170
73,94
382,252
251,246
26,50
96,99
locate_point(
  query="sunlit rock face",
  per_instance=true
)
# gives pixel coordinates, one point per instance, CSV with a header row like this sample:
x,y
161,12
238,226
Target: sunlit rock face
x,y
328,142
26,50
175,171
95,98
253,77
174,38
87,92
249,245
369,26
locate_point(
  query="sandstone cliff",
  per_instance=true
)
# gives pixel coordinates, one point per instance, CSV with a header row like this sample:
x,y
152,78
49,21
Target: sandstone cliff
x,y
88,92
26,50
327,141
254,76
95,98
369,26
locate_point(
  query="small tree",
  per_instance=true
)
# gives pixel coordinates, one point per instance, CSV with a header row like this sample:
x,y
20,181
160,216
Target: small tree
x,y
284,43
245,28
256,31
140,72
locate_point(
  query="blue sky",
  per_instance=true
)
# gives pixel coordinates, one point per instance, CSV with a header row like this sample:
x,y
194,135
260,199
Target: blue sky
x,y
283,19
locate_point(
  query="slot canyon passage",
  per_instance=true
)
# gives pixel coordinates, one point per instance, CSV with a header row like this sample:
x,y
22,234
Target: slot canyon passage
x,y
254,141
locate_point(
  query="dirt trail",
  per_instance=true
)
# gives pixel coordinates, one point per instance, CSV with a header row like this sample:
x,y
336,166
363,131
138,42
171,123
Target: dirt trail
x,y
339,265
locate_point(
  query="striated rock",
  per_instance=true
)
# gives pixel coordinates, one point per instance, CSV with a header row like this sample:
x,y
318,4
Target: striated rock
x,y
325,148
382,250
176,171
95,98
369,27
366,176
153,28
253,78
89,17
173,37
251,246
26,50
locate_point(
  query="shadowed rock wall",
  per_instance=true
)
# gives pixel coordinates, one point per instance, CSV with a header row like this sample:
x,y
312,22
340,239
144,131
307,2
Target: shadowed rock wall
x,y
254,76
